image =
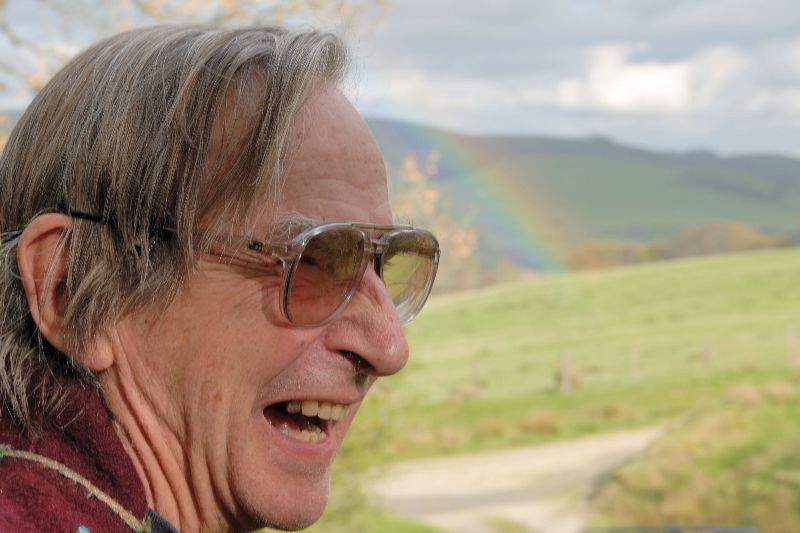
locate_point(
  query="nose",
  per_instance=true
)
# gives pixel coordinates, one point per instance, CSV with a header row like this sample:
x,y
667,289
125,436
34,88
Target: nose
x,y
370,328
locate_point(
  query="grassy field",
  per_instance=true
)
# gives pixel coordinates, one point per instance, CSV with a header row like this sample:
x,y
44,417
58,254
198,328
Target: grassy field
x,y
644,345
731,462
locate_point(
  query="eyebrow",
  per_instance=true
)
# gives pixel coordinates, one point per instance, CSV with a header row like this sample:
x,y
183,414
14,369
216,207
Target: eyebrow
x,y
290,225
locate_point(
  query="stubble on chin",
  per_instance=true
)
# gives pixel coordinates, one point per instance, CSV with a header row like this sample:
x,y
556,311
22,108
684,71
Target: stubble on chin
x,y
299,514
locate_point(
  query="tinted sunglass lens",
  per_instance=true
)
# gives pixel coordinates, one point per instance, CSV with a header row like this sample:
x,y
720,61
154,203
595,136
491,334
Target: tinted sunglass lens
x,y
326,273
408,267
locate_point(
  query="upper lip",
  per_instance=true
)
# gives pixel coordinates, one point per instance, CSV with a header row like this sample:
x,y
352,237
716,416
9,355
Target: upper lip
x,y
338,400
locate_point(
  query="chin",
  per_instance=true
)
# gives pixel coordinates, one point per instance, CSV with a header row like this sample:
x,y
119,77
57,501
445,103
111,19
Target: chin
x,y
297,505
294,523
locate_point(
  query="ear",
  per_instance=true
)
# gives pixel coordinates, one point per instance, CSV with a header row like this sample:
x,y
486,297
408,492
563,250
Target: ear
x,y
41,258
42,255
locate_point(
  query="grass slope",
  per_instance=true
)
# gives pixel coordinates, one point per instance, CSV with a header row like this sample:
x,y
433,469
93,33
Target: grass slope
x,y
733,462
647,343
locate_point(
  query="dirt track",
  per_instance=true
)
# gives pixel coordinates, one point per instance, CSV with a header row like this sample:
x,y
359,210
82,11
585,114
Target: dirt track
x,y
543,488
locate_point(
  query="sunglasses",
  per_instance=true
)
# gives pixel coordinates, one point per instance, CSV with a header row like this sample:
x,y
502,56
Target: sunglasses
x,y
323,268
324,265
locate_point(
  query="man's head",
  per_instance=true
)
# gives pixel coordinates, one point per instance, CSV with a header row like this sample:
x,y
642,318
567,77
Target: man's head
x,y
124,190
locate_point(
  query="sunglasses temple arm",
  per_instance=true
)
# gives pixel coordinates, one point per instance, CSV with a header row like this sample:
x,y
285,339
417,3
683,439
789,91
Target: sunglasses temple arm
x,y
377,263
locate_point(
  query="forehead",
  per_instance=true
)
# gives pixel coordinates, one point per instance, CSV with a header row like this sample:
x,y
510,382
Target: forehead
x,y
335,171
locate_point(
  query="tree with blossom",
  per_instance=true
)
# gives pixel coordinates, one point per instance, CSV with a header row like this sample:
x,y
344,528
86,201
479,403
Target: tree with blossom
x,y
418,196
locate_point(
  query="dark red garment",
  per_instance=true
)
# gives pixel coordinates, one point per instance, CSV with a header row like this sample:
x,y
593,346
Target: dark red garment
x,y
82,437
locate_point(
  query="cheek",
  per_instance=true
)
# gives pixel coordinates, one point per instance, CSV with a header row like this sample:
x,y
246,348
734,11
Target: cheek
x,y
217,345
252,367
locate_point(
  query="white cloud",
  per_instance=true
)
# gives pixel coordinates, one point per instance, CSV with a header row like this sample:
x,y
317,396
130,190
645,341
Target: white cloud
x,y
414,90
614,82
774,101
715,76
792,54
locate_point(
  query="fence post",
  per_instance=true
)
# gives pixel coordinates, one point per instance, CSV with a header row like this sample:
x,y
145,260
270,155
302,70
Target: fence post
x,y
564,373
635,361
791,347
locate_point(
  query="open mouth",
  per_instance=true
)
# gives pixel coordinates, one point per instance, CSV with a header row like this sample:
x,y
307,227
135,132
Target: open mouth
x,y
305,420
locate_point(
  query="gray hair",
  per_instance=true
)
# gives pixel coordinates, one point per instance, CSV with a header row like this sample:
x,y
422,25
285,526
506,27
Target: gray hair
x,y
124,132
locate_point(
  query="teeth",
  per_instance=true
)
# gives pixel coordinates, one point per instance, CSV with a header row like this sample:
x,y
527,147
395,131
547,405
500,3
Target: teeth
x,y
310,407
323,410
312,434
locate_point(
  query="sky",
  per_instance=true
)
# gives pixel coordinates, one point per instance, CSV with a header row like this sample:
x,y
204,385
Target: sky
x,y
675,75
669,75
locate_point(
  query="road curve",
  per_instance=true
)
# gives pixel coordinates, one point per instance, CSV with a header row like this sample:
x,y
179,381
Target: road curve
x,y
543,488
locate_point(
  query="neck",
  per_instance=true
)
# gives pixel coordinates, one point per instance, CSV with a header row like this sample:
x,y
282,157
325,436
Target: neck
x,y
156,453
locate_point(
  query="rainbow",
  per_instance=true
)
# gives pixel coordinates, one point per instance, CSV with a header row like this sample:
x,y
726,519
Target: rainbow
x,y
526,231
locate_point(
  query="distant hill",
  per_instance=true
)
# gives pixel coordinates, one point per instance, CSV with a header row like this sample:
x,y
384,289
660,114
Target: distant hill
x,y
536,197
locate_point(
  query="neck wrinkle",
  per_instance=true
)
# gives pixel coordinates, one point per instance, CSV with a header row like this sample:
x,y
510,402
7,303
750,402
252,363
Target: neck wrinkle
x,y
212,517
153,449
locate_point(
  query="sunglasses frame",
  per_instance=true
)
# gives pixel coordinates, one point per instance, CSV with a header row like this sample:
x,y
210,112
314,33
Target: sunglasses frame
x,y
290,252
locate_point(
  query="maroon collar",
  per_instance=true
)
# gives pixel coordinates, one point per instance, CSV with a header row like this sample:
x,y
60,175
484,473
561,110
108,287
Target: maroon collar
x,y
82,437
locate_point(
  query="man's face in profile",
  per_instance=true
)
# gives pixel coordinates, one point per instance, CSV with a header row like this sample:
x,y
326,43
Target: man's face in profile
x,y
223,369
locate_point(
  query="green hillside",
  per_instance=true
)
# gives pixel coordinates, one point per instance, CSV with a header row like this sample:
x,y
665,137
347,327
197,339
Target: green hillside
x,y
641,199
570,191
646,343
